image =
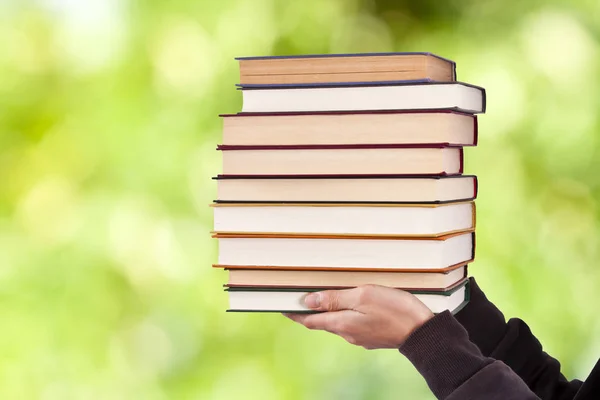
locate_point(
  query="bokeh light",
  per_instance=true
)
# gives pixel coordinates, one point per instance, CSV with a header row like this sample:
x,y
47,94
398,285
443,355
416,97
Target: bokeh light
x,y
108,128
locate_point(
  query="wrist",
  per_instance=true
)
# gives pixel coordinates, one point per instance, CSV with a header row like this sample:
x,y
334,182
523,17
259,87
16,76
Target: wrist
x,y
420,316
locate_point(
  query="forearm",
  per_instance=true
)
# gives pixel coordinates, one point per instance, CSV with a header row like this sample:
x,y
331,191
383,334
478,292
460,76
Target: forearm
x,y
515,345
454,368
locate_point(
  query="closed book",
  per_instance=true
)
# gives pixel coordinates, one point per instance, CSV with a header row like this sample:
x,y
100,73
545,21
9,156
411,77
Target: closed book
x,y
410,96
345,219
380,189
328,68
372,127
430,159
321,252
435,281
256,299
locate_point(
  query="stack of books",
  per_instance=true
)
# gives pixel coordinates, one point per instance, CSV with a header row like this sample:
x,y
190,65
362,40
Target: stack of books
x,y
346,170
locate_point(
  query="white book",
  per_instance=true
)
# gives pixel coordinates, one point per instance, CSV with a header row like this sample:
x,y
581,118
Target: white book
x,y
323,252
344,219
424,96
293,301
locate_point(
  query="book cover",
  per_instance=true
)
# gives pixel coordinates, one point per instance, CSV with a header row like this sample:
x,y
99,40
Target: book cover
x,y
335,55
353,269
346,177
389,64
303,287
223,147
274,207
464,284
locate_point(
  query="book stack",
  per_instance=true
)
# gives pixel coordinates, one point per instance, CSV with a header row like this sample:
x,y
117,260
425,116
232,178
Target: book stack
x,y
346,170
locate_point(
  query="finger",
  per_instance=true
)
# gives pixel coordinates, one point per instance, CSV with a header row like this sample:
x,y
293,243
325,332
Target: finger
x,y
338,322
350,339
334,300
297,317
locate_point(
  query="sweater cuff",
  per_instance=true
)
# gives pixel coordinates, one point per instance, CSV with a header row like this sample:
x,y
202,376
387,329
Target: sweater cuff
x,y
442,353
483,321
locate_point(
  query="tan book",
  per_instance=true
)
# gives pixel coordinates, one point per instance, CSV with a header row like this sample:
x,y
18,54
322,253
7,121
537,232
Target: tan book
x,y
434,159
346,189
396,127
410,220
339,279
336,68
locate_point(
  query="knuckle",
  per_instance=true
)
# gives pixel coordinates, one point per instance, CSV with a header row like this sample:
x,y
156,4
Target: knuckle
x,y
309,324
330,329
351,340
366,293
360,293
342,326
329,326
332,301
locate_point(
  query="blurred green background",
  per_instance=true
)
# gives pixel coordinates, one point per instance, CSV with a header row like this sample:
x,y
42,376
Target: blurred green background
x,y
108,127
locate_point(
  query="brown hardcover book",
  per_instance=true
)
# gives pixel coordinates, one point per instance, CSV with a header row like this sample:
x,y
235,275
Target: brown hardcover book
x,y
380,189
333,68
394,127
423,159
364,252
410,220
340,279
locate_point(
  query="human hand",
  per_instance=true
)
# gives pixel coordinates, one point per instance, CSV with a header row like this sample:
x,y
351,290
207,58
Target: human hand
x,y
371,316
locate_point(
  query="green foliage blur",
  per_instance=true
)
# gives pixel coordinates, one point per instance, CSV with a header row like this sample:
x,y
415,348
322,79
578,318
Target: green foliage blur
x,y
108,127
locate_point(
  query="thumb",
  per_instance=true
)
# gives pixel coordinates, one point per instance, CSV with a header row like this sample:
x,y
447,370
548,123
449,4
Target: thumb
x,y
332,300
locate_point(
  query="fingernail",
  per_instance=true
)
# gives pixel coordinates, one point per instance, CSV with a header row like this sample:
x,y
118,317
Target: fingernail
x,y
313,300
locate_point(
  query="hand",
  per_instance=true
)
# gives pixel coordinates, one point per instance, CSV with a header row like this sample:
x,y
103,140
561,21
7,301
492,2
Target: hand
x,y
374,317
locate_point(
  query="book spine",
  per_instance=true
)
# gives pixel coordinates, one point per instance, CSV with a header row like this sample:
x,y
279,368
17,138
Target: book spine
x,y
475,130
483,100
266,287
462,161
226,147
296,113
285,235
337,202
258,288
442,174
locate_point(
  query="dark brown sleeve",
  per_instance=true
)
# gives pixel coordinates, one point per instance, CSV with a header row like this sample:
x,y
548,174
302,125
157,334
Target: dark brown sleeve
x,y
455,369
514,344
